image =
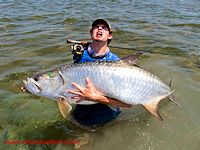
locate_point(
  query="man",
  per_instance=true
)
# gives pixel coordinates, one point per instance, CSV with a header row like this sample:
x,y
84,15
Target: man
x,y
100,113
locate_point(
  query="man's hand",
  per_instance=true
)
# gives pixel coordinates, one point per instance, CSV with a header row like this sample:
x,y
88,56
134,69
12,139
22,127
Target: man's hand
x,y
91,93
87,93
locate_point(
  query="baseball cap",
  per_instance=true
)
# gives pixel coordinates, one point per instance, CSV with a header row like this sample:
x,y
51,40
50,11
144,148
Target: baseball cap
x,y
103,22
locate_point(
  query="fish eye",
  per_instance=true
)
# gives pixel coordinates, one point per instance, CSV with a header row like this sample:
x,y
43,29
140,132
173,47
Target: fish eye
x,y
36,78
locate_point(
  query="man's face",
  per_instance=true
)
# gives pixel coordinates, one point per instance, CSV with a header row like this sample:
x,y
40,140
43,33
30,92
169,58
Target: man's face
x,y
101,33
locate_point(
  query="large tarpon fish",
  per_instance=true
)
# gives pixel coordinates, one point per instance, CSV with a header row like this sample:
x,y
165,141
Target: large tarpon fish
x,y
118,80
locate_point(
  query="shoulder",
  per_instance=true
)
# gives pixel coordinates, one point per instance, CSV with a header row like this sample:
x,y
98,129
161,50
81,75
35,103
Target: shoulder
x,y
112,56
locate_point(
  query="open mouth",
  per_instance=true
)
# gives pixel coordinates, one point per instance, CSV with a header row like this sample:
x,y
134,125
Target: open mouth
x,y
31,86
99,34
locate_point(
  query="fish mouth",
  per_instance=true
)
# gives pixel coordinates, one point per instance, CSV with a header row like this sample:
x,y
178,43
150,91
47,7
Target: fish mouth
x,y
31,86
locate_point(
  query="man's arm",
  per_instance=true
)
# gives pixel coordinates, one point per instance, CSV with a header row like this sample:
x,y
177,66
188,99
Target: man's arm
x,y
92,94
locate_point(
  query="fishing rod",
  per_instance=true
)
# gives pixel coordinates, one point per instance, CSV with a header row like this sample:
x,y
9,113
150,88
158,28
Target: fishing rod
x,y
78,47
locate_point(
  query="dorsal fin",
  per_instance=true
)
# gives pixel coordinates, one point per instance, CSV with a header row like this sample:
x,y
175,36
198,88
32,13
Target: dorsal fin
x,y
131,59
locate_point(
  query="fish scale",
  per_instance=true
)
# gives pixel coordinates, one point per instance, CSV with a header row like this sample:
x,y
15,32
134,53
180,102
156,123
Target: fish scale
x,y
118,81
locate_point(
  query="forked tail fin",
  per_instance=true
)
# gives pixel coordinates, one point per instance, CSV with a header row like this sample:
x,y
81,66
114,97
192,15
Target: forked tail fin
x,y
172,97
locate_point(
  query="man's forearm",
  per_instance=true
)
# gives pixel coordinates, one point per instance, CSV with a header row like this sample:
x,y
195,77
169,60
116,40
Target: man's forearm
x,y
113,102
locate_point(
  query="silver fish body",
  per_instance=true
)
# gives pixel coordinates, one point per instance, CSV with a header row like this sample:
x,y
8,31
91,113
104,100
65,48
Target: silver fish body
x,y
129,84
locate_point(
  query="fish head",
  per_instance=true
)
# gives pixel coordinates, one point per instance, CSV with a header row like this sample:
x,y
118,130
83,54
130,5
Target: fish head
x,y
46,84
31,86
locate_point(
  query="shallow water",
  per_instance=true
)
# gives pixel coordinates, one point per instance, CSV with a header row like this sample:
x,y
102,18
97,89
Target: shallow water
x,y
33,38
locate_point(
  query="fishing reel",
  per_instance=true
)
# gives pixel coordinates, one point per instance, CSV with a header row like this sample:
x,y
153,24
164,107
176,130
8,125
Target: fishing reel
x,y
77,49
78,46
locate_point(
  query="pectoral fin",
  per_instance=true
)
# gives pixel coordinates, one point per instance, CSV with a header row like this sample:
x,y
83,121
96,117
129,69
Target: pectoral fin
x,y
64,106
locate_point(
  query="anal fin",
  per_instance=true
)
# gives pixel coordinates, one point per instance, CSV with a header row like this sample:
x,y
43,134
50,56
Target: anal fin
x,y
152,106
153,110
